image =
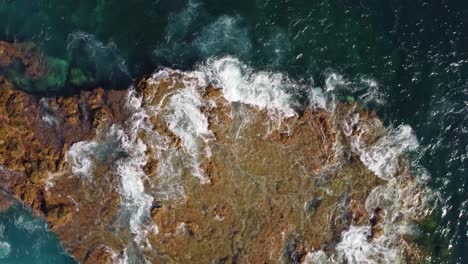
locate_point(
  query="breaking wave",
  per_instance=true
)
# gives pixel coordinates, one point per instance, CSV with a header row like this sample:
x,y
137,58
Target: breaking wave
x,y
355,247
383,156
188,123
262,89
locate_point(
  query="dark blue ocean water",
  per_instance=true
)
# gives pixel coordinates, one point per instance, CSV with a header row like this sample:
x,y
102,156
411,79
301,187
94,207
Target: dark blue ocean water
x,y
416,51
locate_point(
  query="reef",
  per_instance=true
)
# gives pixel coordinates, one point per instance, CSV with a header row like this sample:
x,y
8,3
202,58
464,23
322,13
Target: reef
x,y
179,170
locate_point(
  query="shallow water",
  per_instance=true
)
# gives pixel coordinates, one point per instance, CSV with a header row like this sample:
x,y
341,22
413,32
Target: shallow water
x,y
406,59
25,239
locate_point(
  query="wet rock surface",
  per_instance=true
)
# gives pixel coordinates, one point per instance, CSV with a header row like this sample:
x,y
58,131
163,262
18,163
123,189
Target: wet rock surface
x,y
231,184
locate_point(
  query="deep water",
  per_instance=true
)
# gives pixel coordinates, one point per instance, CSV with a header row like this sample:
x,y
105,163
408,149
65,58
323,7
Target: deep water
x,y
406,59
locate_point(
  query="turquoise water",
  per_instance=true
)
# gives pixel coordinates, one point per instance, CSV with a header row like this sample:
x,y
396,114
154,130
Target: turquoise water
x,y
25,239
407,59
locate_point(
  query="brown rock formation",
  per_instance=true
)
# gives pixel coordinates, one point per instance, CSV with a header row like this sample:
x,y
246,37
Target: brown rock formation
x,y
35,137
28,54
267,192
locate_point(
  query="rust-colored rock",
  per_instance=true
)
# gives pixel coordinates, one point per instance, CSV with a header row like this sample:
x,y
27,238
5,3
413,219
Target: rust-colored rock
x,y
253,191
35,135
377,221
28,54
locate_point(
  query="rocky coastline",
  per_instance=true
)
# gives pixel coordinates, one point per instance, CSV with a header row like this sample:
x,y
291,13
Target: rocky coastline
x,y
173,171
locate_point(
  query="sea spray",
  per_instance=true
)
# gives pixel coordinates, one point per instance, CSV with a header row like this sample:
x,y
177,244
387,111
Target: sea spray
x,y
355,247
80,155
270,91
239,83
383,156
187,122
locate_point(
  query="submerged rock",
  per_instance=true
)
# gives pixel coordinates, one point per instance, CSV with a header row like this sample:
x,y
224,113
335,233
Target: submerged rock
x,y
27,54
79,77
173,172
56,76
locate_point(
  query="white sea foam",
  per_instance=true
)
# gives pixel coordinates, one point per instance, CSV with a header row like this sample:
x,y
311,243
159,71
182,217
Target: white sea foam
x,y
170,159
50,180
187,122
262,89
80,155
267,91
383,156
335,81
121,258
130,172
50,119
355,247
317,99
372,92
129,169
402,201
47,116
316,257
121,146
402,198
169,174
240,84
30,225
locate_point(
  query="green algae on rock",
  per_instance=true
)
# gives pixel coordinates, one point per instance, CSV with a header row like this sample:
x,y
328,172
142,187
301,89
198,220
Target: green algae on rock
x,y
56,76
79,77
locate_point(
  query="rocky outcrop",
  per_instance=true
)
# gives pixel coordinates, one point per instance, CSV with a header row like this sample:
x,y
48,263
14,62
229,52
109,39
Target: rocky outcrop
x,y
240,188
35,139
27,54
